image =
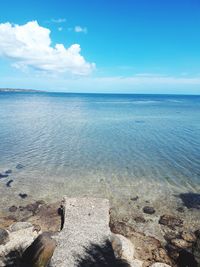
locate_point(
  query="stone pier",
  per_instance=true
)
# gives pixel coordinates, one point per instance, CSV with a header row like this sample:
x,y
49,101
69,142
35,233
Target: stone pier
x,y
86,221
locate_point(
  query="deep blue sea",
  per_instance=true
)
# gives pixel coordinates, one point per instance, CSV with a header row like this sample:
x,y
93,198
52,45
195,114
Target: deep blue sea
x,y
116,146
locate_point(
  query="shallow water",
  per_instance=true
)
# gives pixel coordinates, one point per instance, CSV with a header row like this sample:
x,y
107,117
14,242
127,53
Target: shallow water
x,y
115,146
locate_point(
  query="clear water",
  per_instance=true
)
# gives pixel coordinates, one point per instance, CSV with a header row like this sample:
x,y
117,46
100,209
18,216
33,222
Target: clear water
x,y
107,145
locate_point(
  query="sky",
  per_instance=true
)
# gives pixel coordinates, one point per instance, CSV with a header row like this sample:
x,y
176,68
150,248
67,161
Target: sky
x,y
101,46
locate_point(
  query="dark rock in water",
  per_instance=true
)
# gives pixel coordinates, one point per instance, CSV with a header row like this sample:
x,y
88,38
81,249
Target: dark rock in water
x,y
19,166
23,195
4,237
8,171
39,253
13,208
9,183
135,198
149,210
180,209
170,221
139,219
191,200
3,175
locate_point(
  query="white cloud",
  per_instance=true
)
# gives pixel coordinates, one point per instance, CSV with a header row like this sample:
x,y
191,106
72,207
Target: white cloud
x,y
80,29
29,45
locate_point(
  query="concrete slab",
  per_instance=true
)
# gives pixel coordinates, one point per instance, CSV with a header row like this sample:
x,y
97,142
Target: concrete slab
x,y
86,222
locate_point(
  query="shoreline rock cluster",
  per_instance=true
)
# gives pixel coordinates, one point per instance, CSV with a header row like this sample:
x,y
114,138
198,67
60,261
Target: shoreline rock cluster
x,y
181,247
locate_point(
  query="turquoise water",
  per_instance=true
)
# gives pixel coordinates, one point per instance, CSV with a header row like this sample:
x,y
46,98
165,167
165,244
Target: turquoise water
x,y
113,145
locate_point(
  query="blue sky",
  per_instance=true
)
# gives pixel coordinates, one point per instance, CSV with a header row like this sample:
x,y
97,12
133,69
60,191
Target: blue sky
x,y
127,46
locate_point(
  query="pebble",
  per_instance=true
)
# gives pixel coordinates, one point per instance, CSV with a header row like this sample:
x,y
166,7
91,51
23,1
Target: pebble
x,y
9,183
13,208
23,195
149,210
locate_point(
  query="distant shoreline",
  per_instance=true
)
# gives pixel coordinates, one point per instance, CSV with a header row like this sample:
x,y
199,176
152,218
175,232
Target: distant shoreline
x,y
18,90
12,90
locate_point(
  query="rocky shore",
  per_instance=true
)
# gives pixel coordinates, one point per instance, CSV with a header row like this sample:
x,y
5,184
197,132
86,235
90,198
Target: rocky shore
x,y
178,245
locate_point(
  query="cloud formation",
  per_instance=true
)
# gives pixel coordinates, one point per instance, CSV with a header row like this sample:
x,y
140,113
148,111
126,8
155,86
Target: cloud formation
x,y
80,29
29,45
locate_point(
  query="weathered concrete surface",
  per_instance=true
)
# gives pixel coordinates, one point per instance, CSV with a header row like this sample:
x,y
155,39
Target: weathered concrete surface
x,y
86,222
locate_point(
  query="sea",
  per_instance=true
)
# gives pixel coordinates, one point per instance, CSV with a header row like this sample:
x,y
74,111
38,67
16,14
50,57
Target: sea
x,y
119,146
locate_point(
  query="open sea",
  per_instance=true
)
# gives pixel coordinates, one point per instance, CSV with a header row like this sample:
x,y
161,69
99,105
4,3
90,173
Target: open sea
x,y
115,146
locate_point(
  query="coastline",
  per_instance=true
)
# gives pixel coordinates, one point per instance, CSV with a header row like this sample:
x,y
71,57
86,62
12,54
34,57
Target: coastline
x,y
163,236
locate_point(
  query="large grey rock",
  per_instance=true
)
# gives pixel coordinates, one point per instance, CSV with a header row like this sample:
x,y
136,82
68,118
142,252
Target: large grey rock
x,y
18,241
86,222
123,247
19,226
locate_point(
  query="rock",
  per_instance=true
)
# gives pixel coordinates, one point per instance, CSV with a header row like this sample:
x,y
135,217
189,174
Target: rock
x,y
135,198
149,210
12,208
136,263
19,166
168,236
4,236
196,247
23,195
180,209
188,236
147,248
180,243
3,175
19,226
39,253
8,171
139,219
170,221
160,264
45,215
9,183
123,247
18,242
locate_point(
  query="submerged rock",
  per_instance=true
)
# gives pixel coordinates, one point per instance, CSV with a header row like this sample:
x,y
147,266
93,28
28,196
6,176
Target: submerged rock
x,y
135,198
3,175
9,183
12,208
23,195
19,166
4,237
170,221
149,210
8,171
